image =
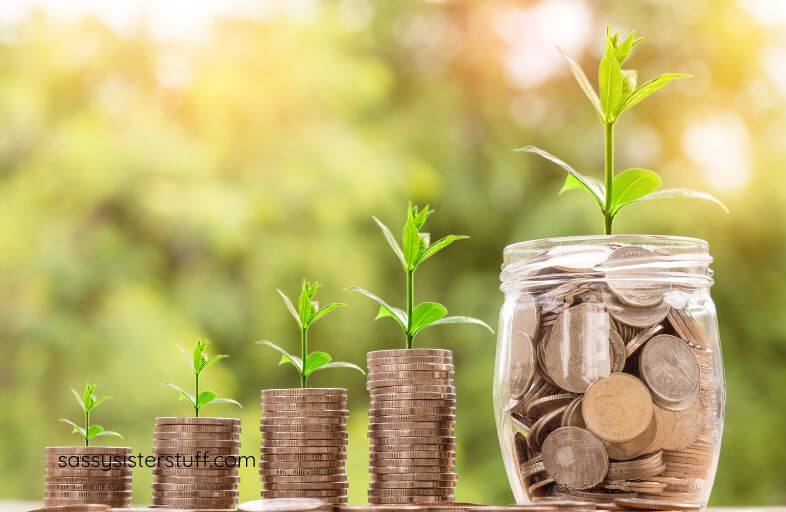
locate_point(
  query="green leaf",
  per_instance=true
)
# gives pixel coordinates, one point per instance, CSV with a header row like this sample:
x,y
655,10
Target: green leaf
x,y
324,311
286,357
391,241
341,364
682,193
584,83
204,398
387,313
213,360
590,184
188,357
222,400
629,80
305,302
395,313
198,356
412,242
78,399
99,401
425,314
76,428
315,361
461,320
108,433
93,430
648,88
437,246
184,395
87,396
631,185
572,183
622,50
290,307
610,82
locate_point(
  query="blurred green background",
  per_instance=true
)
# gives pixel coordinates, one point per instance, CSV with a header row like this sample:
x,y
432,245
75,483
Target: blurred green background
x,y
165,166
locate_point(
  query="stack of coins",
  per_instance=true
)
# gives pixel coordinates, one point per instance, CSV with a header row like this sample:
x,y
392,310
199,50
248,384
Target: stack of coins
x,y
614,384
412,417
77,475
304,444
197,466
286,505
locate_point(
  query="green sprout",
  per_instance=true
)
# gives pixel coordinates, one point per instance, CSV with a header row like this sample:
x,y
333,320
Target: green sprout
x,y
306,314
199,361
618,93
414,250
88,401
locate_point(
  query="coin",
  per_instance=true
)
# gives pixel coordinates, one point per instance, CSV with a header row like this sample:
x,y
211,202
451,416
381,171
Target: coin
x,y
634,316
617,408
166,428
648,504
639,445
413,396
629,276
324,409
670,369
303,427
284,505
578,259
196,436
575,458
190,420
575,355
411,388
411,367
286,420
87,507
397,404
302,443
641,338
687,426
390,361
297,472
408,352
415,454
384,479
410,411
196,443
302,392
327,493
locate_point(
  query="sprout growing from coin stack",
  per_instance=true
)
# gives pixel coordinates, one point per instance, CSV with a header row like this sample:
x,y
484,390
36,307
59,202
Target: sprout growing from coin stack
x,y
412,395
304,430
609,385
196,482
68,481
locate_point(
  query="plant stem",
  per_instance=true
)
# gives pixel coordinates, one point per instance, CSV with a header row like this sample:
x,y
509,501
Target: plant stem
x,y
609,172
196,395
87,427
303,354
410,300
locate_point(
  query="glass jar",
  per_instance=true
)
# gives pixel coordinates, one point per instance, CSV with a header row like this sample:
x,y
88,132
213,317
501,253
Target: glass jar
x,y
609,381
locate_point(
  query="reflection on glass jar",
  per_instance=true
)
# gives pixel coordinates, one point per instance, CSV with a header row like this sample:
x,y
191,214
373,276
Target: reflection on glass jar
x,y
609,380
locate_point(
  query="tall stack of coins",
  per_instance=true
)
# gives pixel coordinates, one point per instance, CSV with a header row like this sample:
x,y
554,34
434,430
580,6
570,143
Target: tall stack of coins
x,y
77,475
198,463
412,417
613,386
304,444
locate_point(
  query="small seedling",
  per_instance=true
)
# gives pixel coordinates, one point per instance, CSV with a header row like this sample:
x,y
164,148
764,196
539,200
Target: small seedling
x,y
618,93
88,401
199,361
414,250
306,314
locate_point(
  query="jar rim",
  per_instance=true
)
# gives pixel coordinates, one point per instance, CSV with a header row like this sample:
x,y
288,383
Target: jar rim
x,y
685,243
678,259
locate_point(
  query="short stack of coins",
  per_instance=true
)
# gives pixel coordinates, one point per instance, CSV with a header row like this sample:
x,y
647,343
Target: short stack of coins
x,y
615,386
78,475
411,426
304,444
207,475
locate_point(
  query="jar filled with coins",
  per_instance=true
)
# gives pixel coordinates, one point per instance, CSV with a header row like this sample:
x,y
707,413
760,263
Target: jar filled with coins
x,y
609,380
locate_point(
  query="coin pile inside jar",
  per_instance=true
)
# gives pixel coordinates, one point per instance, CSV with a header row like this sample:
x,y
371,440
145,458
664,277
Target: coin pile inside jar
x,y
197,466
413,450
615,385
77,475
304,444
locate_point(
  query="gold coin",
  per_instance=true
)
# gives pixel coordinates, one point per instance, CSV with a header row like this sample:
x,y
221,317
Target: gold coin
x,y
687,427
408,352
301,449
637,446
312,493
75,508
410,411
332,472
413,388
617,408
190,420
411,367
161,429
387,397
303,443
304,392
648,504
294,486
